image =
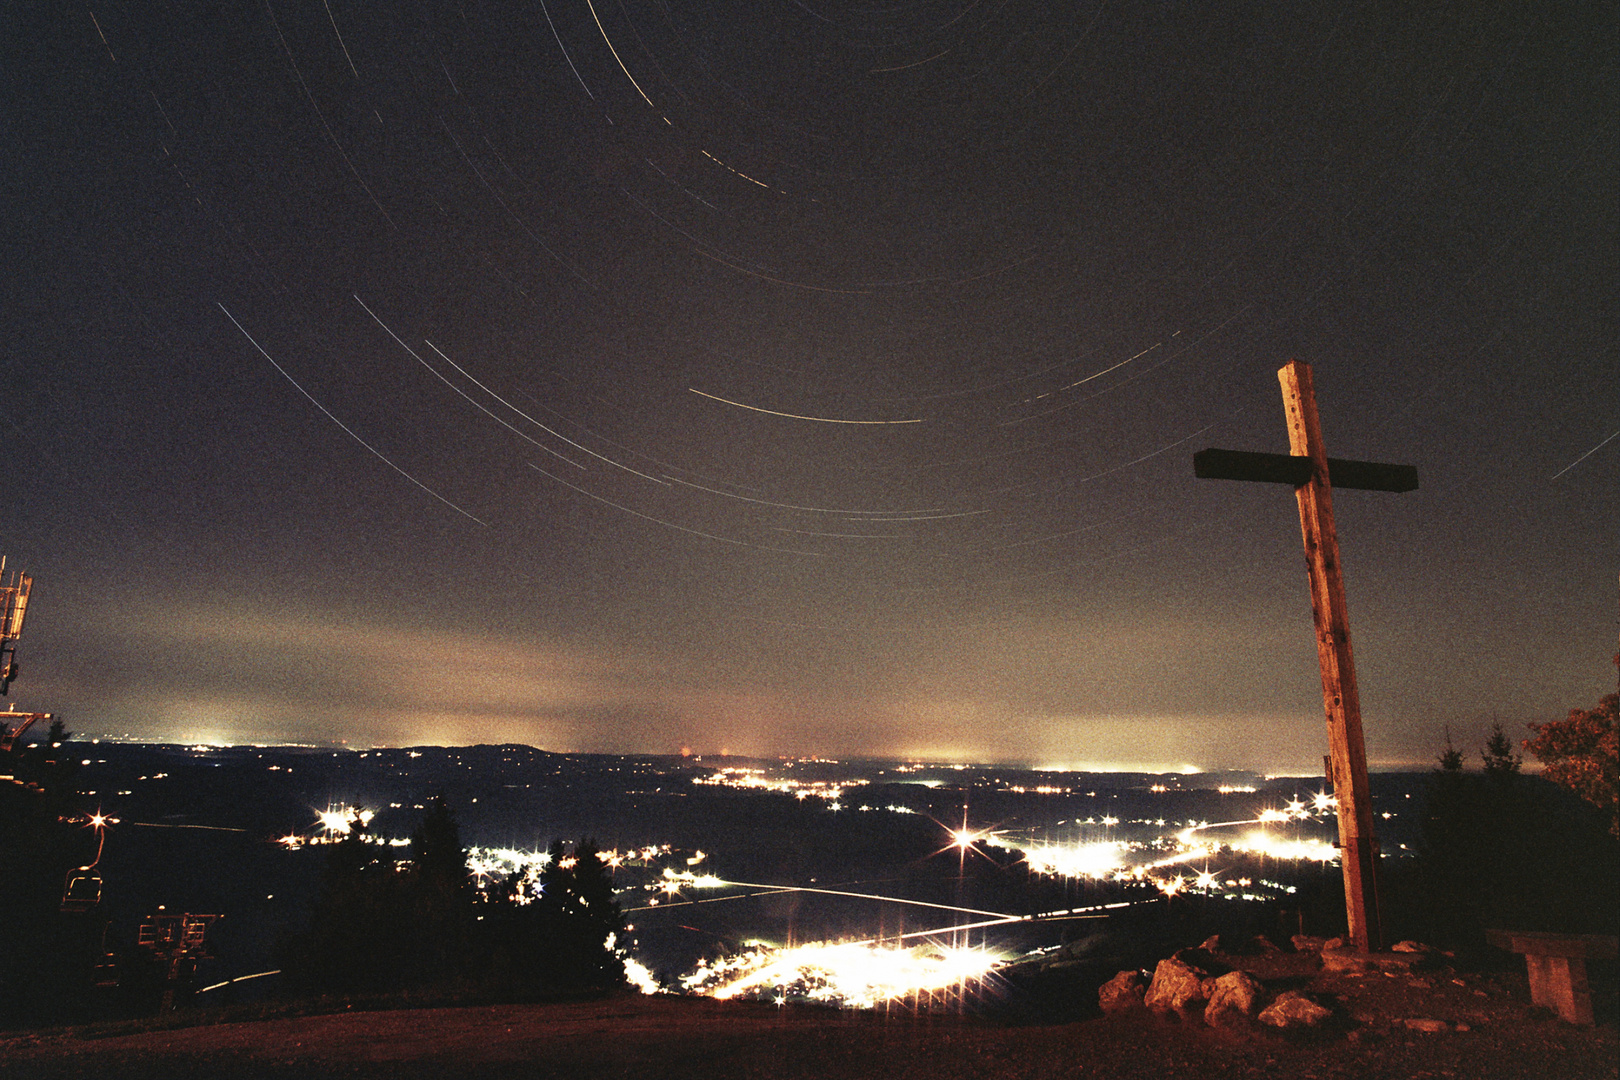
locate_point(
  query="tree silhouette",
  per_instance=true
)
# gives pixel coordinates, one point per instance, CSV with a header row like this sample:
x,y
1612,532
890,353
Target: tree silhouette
x,y
359,937
1501,763
578,889
555,934
381,926
1451,758
439,891
1504,850
1582,753
1449,848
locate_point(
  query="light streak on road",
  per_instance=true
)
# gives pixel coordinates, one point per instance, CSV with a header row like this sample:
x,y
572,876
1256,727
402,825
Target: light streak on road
x,y
870,896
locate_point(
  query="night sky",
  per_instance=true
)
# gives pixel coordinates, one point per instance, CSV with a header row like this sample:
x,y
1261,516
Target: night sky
x,y
804,377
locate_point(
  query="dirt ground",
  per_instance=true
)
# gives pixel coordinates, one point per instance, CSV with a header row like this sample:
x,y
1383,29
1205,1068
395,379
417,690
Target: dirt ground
x,y
1490,1031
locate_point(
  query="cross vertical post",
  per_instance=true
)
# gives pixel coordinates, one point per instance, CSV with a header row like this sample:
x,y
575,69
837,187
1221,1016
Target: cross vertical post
x,y
1313,476
1358,846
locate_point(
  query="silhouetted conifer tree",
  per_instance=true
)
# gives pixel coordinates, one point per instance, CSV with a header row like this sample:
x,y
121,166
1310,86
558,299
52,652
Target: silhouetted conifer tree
x,y
580,891
1449,850
440,891
1451,758
358,934
555,935
380,925
1501,763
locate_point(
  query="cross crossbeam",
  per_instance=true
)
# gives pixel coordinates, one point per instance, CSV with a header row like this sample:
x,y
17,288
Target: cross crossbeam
x,y
1287,469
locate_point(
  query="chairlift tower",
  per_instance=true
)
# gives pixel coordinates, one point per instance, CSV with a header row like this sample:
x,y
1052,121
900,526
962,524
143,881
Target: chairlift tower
x,y
14,589
179,943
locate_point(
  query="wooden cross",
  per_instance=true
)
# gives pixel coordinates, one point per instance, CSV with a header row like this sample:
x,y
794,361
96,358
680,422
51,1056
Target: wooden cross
x,y
1314,476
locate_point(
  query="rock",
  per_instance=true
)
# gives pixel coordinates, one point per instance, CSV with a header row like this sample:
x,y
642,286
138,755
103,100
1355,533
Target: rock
x,y
1345,960
1244,946
1234,1001
1341,958
1176,985
1293,1010
1420,1023
1410,946
1202,960
1351,961
1124,991
1306,943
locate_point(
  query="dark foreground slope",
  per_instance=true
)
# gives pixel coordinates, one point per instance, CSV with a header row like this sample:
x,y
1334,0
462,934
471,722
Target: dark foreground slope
x,y
668,1037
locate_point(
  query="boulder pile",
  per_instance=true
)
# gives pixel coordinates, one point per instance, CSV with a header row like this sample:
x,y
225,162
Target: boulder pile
x,y
1321,986
1195,984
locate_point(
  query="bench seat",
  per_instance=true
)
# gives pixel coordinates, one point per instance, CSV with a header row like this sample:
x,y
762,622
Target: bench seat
x,y
1557,966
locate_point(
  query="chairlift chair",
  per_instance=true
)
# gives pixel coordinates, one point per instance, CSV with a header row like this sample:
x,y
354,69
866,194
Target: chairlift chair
x,y
82,890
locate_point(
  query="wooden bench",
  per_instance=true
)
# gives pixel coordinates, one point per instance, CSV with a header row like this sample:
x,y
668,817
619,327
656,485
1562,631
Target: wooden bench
x,y
1557,965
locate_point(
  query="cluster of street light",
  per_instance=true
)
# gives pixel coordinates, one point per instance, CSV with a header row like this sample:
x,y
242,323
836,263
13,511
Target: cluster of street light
x,y
1175,858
